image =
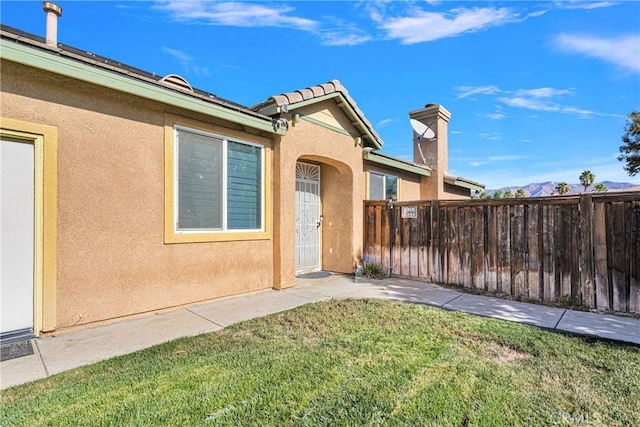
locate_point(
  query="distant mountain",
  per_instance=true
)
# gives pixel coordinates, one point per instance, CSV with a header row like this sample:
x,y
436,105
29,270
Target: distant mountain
x,y
549,188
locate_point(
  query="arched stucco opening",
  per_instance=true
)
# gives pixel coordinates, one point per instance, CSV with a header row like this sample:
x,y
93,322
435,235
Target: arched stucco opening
x,y
336,230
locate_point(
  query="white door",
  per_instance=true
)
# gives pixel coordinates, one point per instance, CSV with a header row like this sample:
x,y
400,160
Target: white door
x,y
16,238
307,218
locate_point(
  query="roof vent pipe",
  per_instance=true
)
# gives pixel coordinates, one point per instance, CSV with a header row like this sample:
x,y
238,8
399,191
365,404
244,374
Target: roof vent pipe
x,y
53,13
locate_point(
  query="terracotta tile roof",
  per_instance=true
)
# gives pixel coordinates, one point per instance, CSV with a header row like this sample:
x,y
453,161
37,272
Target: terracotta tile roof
x,y
310,93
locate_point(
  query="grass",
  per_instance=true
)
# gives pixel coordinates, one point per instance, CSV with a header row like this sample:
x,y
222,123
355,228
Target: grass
x,y
372,270
352,362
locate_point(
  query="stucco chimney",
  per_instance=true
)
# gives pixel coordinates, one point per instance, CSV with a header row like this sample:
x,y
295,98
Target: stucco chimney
x,y
53,13
435,151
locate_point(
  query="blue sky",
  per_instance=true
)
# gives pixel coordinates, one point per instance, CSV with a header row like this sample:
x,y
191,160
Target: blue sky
x,y
538,91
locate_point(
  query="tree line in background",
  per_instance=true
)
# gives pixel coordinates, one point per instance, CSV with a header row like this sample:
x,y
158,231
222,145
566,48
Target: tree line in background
x,y
631,148
586,179
630,155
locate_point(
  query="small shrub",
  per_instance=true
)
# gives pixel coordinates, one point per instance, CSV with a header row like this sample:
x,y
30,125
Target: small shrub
x,y
372,270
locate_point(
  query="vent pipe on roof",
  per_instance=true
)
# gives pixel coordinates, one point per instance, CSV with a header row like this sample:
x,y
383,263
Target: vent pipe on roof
x,y
53,13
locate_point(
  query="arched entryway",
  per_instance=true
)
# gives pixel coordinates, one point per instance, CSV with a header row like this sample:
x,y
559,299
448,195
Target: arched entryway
x,y
324,215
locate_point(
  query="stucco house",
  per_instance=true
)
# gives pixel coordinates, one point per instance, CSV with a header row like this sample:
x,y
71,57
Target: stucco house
x,y
126,193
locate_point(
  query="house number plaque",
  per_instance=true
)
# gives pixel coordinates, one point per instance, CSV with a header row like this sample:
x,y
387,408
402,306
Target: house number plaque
x,y
409,212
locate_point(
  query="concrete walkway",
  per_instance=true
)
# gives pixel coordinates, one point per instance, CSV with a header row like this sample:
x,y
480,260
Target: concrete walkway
x,y
66,351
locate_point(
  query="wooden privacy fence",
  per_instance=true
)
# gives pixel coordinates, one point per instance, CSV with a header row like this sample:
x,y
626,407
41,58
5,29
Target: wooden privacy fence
x,y
571,249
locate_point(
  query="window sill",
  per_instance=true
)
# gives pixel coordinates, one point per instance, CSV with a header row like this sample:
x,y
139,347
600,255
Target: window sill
x,y
171,238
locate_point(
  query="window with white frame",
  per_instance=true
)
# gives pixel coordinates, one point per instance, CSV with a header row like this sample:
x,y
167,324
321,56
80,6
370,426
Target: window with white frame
x,y
382,186
219,183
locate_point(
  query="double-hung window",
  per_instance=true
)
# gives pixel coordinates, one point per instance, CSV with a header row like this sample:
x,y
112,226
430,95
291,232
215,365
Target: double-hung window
x,y
383,187
219,183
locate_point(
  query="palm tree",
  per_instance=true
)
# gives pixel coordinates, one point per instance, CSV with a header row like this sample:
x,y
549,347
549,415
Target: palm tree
x,y
520,193
563,188
600,187
508,194
586,179
498,194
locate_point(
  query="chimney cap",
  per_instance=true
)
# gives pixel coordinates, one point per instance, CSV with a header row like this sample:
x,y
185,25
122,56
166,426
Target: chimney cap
x,y
49,6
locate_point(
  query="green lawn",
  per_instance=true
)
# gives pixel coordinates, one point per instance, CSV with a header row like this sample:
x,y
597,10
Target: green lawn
x,y
353,362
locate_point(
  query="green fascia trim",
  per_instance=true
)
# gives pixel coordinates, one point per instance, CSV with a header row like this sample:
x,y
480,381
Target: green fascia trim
x,y
270,110
67,67
274,109
464,184
326,125
396,164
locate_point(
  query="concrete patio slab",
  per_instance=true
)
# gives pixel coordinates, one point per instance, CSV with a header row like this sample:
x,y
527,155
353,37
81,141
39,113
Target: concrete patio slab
x,y
70,350
616,328
237,309
22,370
514,311
422,293
333,286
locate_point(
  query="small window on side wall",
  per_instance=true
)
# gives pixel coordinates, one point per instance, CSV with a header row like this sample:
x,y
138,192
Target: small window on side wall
x,y
383,187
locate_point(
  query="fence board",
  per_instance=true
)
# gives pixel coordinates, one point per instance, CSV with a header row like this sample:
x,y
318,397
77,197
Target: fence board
x,y
584,248
564,255
548,257
586,252
504,250
532,264
618,256
600,255
466,243
436,233
518,248
478,266
414,242
491,250
634,281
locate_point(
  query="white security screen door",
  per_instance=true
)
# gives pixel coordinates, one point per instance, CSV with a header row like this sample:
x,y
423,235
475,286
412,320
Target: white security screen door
x,y
16,237
307,218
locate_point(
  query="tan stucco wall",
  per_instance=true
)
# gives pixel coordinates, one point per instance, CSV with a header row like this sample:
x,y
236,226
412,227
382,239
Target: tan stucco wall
x,y
342,186
453,192
112,260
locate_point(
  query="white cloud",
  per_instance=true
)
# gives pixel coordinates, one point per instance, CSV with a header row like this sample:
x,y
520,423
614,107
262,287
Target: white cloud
x,y
493,159
581,4
383,123
545,104
340,39
495,116
536,99
605,169
623,51
187,63
506,158
239,14
477,163
466,91
543,92
491,136
428,26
